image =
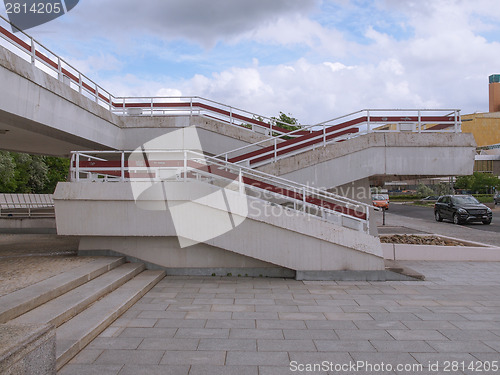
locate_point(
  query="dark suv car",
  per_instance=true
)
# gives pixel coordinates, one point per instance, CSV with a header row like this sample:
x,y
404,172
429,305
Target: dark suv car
x,y
461,209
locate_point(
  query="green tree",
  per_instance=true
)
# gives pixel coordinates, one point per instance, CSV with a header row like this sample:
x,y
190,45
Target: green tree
x,y
478,182
7,172
23,173
424,190
286,121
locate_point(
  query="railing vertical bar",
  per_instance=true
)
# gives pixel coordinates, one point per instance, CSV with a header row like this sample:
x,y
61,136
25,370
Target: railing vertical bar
x,y
33,51
122,166
77,165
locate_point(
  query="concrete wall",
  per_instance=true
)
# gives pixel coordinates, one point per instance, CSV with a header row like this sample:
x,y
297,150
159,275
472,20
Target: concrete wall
x,y
266,233
34,103
380,154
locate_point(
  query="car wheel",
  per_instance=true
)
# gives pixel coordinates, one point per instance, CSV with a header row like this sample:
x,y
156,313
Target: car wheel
x,y
456,220
438,217
487,222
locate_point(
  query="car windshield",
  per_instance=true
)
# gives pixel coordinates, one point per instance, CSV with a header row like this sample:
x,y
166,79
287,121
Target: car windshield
x,y
380,197
465,199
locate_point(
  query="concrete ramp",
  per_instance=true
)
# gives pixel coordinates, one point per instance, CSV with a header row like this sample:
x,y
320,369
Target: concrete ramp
x,y
197,226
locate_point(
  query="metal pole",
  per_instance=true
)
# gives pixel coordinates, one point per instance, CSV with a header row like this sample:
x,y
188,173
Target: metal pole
x,y
185,165
122,166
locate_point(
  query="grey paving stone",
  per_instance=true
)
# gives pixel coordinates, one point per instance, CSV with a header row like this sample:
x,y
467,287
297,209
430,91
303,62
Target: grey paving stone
x,y
426,358
216,333
286,345
330,324
282,370
318,357
464,335
135,322
161,314
237,333
416,334
441,316
460,347
255,315
402,346
155,370
148,332
239,323
228,344
276,308
493,344
169,344
429,324
301,316
194,357
180,323
344,345
319,334
131,357
476,325
395,316
115,343
208,315
363,334
348,316
258,358
90,369
188,307
233,308
224,370
281,324
86,356
149,306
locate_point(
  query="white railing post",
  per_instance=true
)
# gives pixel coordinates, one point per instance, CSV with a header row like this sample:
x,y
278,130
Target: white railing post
x,y
240,182
96,93
456,121
33,51
419,121
231,115
275,149
122,166
368,125
190,107
80,85
152,106
367,219
123,107
77,167
110,102
185,165
59,69
324,134
304,198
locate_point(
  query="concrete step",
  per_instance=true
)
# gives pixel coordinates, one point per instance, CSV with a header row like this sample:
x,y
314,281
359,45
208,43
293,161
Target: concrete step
x,y
19,302
63,308
77,332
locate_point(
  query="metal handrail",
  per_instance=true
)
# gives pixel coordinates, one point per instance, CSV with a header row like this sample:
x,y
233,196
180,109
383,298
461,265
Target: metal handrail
x,y
368,124
119,104
300,195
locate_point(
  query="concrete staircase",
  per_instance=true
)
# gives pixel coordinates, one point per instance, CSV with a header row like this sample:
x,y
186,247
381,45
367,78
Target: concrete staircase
x,y
80,303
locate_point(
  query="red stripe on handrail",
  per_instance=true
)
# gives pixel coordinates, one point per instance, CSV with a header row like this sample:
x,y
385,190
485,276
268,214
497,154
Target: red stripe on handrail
x,y
14,38
330,133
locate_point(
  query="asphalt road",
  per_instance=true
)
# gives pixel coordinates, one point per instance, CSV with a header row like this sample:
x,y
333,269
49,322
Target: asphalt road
x,y
427,213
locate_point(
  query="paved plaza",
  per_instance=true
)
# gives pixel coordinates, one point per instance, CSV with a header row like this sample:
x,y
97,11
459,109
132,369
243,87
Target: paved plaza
x,y
448,324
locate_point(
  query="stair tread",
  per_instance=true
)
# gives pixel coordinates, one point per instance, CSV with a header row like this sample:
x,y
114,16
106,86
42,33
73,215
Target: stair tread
x,y
71,303
16,303
77,332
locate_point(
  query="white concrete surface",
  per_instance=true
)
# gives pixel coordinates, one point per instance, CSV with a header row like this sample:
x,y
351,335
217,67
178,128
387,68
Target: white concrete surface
x,y
268,233
441,253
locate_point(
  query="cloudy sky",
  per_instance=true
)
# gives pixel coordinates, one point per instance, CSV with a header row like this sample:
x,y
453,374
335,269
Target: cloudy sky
x,y
314,59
